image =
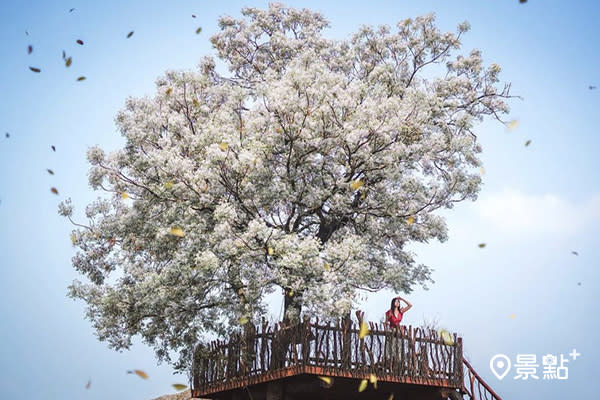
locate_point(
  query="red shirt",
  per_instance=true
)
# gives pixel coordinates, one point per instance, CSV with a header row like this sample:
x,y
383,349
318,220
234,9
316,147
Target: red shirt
x,y
392,320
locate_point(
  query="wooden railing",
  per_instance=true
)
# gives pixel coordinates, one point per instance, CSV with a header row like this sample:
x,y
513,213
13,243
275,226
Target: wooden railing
x,y
408,354
475,387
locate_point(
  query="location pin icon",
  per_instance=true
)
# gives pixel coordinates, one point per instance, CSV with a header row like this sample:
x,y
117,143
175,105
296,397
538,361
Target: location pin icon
x,y
500,365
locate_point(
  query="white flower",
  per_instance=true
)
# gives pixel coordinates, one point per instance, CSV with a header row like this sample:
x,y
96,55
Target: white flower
x,y
259,168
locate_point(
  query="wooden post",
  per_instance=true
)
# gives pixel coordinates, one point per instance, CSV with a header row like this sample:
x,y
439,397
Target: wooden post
x,y
458,363
306,337
472,379
413,351
346,343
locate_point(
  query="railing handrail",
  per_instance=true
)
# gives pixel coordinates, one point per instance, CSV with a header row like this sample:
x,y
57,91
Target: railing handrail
x,y
419,354
374,329
414,353
480,381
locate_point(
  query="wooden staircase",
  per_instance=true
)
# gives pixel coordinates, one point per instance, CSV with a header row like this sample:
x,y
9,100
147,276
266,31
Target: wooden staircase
x,y
474,387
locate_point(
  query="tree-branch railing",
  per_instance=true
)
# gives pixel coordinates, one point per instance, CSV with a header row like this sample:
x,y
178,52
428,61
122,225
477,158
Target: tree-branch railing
x,y
405,354
475,387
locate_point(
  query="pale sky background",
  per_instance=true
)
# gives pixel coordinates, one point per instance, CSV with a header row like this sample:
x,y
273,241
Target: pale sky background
x,y
538,203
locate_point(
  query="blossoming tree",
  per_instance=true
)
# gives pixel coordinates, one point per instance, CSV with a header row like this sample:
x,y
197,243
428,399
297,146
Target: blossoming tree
x,y
306,168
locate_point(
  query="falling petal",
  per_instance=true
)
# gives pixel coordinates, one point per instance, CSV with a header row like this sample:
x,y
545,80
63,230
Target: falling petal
x,y
68,62
224,146
356,184
512,316
270,251
325,379
198,30
141,374
574,252
29,49
50,171
34,69
53,148
481,245
81,78
446,337
124,195
410,220
176,231
179,386
168,185
527,143
364,330
481,171
54,190
130,34
88,384
363,385
373,380
80,42
512,125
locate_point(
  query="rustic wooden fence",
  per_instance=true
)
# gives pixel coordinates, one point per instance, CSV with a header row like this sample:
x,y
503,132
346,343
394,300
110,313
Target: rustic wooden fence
x,y
398,355
475,387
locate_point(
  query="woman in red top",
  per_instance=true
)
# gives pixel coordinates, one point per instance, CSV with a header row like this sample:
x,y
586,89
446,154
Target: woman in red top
x,y
394,343
393,316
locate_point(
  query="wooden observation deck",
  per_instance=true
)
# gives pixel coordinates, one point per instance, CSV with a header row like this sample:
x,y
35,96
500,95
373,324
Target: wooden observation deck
x,y
327,360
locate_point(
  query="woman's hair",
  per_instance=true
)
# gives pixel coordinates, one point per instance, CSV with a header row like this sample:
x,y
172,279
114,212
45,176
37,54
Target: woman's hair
x,y
392,304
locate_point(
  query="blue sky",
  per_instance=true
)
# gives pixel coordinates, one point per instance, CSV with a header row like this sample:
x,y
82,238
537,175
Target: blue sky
x,y
538,203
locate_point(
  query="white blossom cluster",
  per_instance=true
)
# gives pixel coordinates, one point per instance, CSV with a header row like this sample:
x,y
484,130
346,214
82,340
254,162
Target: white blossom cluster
x,y
307,168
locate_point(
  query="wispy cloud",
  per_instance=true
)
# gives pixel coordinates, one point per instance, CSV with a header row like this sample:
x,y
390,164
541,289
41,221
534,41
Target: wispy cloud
x,y
520,213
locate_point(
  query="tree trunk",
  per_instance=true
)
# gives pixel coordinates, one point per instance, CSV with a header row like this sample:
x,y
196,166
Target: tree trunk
x,y
292,306
283,337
